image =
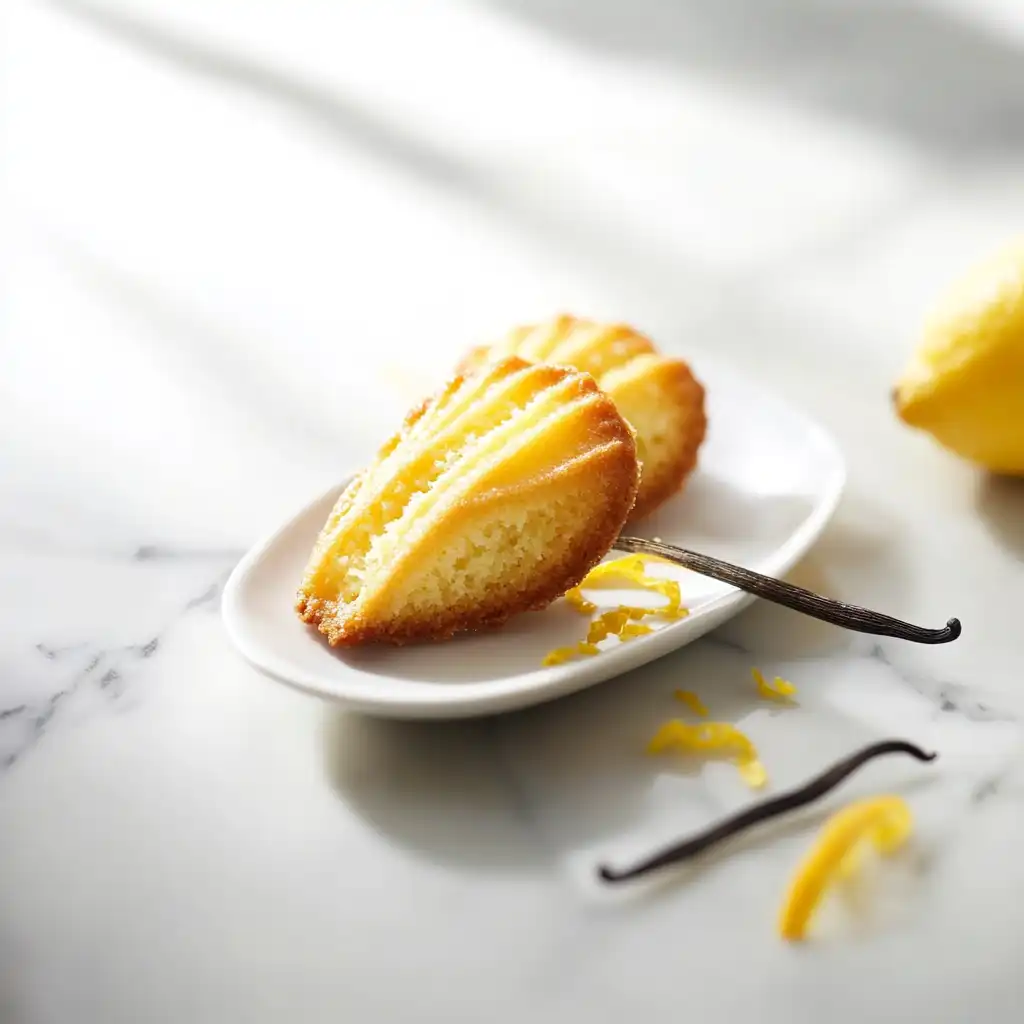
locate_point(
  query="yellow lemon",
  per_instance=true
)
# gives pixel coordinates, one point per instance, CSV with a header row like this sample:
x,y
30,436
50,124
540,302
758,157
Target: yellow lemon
x,y
965,384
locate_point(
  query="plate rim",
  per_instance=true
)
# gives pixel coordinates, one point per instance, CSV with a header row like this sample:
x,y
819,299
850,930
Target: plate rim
x,y
544,683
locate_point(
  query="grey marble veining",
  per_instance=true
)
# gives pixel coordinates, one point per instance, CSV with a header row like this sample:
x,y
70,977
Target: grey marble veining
x,y
60,672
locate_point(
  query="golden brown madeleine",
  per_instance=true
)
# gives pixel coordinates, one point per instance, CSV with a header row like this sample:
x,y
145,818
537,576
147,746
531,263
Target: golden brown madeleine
x,y
658,395
498,495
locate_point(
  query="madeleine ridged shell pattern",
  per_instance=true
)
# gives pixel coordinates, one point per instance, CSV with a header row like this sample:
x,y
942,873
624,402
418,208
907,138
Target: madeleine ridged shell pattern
x,y
658,395
496,496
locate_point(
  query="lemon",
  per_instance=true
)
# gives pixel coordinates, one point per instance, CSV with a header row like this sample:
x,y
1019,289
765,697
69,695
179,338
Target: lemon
x,y
965,384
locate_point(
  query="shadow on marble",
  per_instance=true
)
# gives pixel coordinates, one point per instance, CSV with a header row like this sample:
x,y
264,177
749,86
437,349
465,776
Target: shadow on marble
x,y
477,793
192,53
1000,503
937,78
344,120
527,790
339,118
14,974
972,105
436,788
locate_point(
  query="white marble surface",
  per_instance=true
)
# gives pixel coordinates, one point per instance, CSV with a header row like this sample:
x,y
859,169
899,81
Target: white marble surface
x,y
235,237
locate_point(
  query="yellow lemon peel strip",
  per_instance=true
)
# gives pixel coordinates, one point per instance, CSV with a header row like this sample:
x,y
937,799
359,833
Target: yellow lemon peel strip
x,y
692,701
561,654
753,773
622,622
780,690
631,629
614,623
607,624
884,821
579,602
711,737
631,568
617,623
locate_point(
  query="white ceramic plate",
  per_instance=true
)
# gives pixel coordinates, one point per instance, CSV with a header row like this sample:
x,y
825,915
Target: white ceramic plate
x,y
768,482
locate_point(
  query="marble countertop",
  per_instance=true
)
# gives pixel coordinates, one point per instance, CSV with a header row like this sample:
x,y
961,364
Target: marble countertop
x,y
236,239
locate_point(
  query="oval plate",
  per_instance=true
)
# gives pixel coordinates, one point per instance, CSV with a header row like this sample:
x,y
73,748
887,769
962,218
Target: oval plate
x,y
768,482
